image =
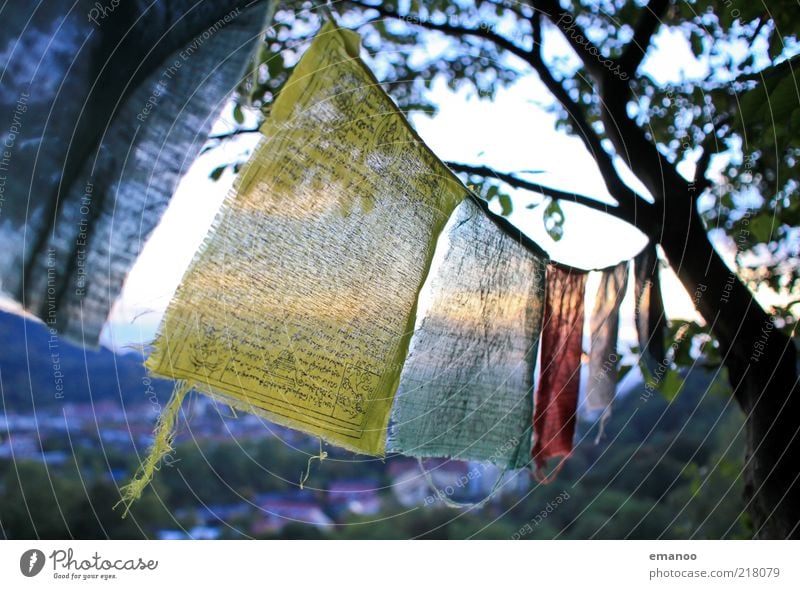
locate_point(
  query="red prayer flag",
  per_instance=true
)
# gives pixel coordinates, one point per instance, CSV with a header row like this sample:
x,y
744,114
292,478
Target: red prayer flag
x,y
556,399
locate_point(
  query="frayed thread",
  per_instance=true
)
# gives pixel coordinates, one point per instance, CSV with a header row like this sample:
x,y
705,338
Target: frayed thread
x,y
163,436
601,424
322,456
539,472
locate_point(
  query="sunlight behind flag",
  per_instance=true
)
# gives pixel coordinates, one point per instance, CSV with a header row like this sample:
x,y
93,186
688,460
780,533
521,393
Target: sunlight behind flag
x,y
301,302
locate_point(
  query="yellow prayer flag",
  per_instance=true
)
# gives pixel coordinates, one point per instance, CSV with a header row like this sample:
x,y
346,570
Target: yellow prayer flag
x,y
301,302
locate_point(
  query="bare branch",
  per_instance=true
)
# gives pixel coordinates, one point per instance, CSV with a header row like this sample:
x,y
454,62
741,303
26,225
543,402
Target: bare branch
x,y
712,144
517,9
509,228
787,66
629,140
761,22
646,26
536,24
632,205
598,65
700,181
485,33
636,210
232,134
554,193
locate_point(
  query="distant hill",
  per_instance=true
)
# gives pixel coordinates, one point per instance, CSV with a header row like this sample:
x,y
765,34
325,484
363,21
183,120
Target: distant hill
x,y
39,371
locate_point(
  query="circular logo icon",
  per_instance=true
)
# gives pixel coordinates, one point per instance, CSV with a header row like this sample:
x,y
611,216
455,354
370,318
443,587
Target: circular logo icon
x,y
31,562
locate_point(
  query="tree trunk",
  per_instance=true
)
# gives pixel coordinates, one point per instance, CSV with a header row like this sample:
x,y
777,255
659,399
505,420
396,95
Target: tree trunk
x,y
762,368
761,360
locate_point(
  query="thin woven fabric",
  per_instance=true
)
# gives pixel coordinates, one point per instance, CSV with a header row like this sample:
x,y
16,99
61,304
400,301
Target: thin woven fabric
x,y
649,306
301,303
556,399
466,389
603,357
109,115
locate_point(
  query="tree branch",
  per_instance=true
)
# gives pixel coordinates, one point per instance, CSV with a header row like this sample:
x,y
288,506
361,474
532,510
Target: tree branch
x,y
630,204
234,133
553,193
507,227
779,69
646,26
485,33
629,140
711,145
516,8
636,210
590,55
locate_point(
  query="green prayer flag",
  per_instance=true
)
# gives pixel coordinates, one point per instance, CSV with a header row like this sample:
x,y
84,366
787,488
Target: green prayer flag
x,y
466,389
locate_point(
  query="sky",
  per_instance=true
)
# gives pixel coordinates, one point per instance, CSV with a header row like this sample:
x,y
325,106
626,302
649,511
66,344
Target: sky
x,y
513,133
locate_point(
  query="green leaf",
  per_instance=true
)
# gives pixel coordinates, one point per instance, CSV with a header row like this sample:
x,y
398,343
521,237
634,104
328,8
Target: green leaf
x,y
238,115
670,385
505,203
216,173
623,370
554,220
697,43
761,228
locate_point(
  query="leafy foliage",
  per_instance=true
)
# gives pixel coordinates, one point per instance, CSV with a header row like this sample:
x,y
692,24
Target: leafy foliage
x,y
735,114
